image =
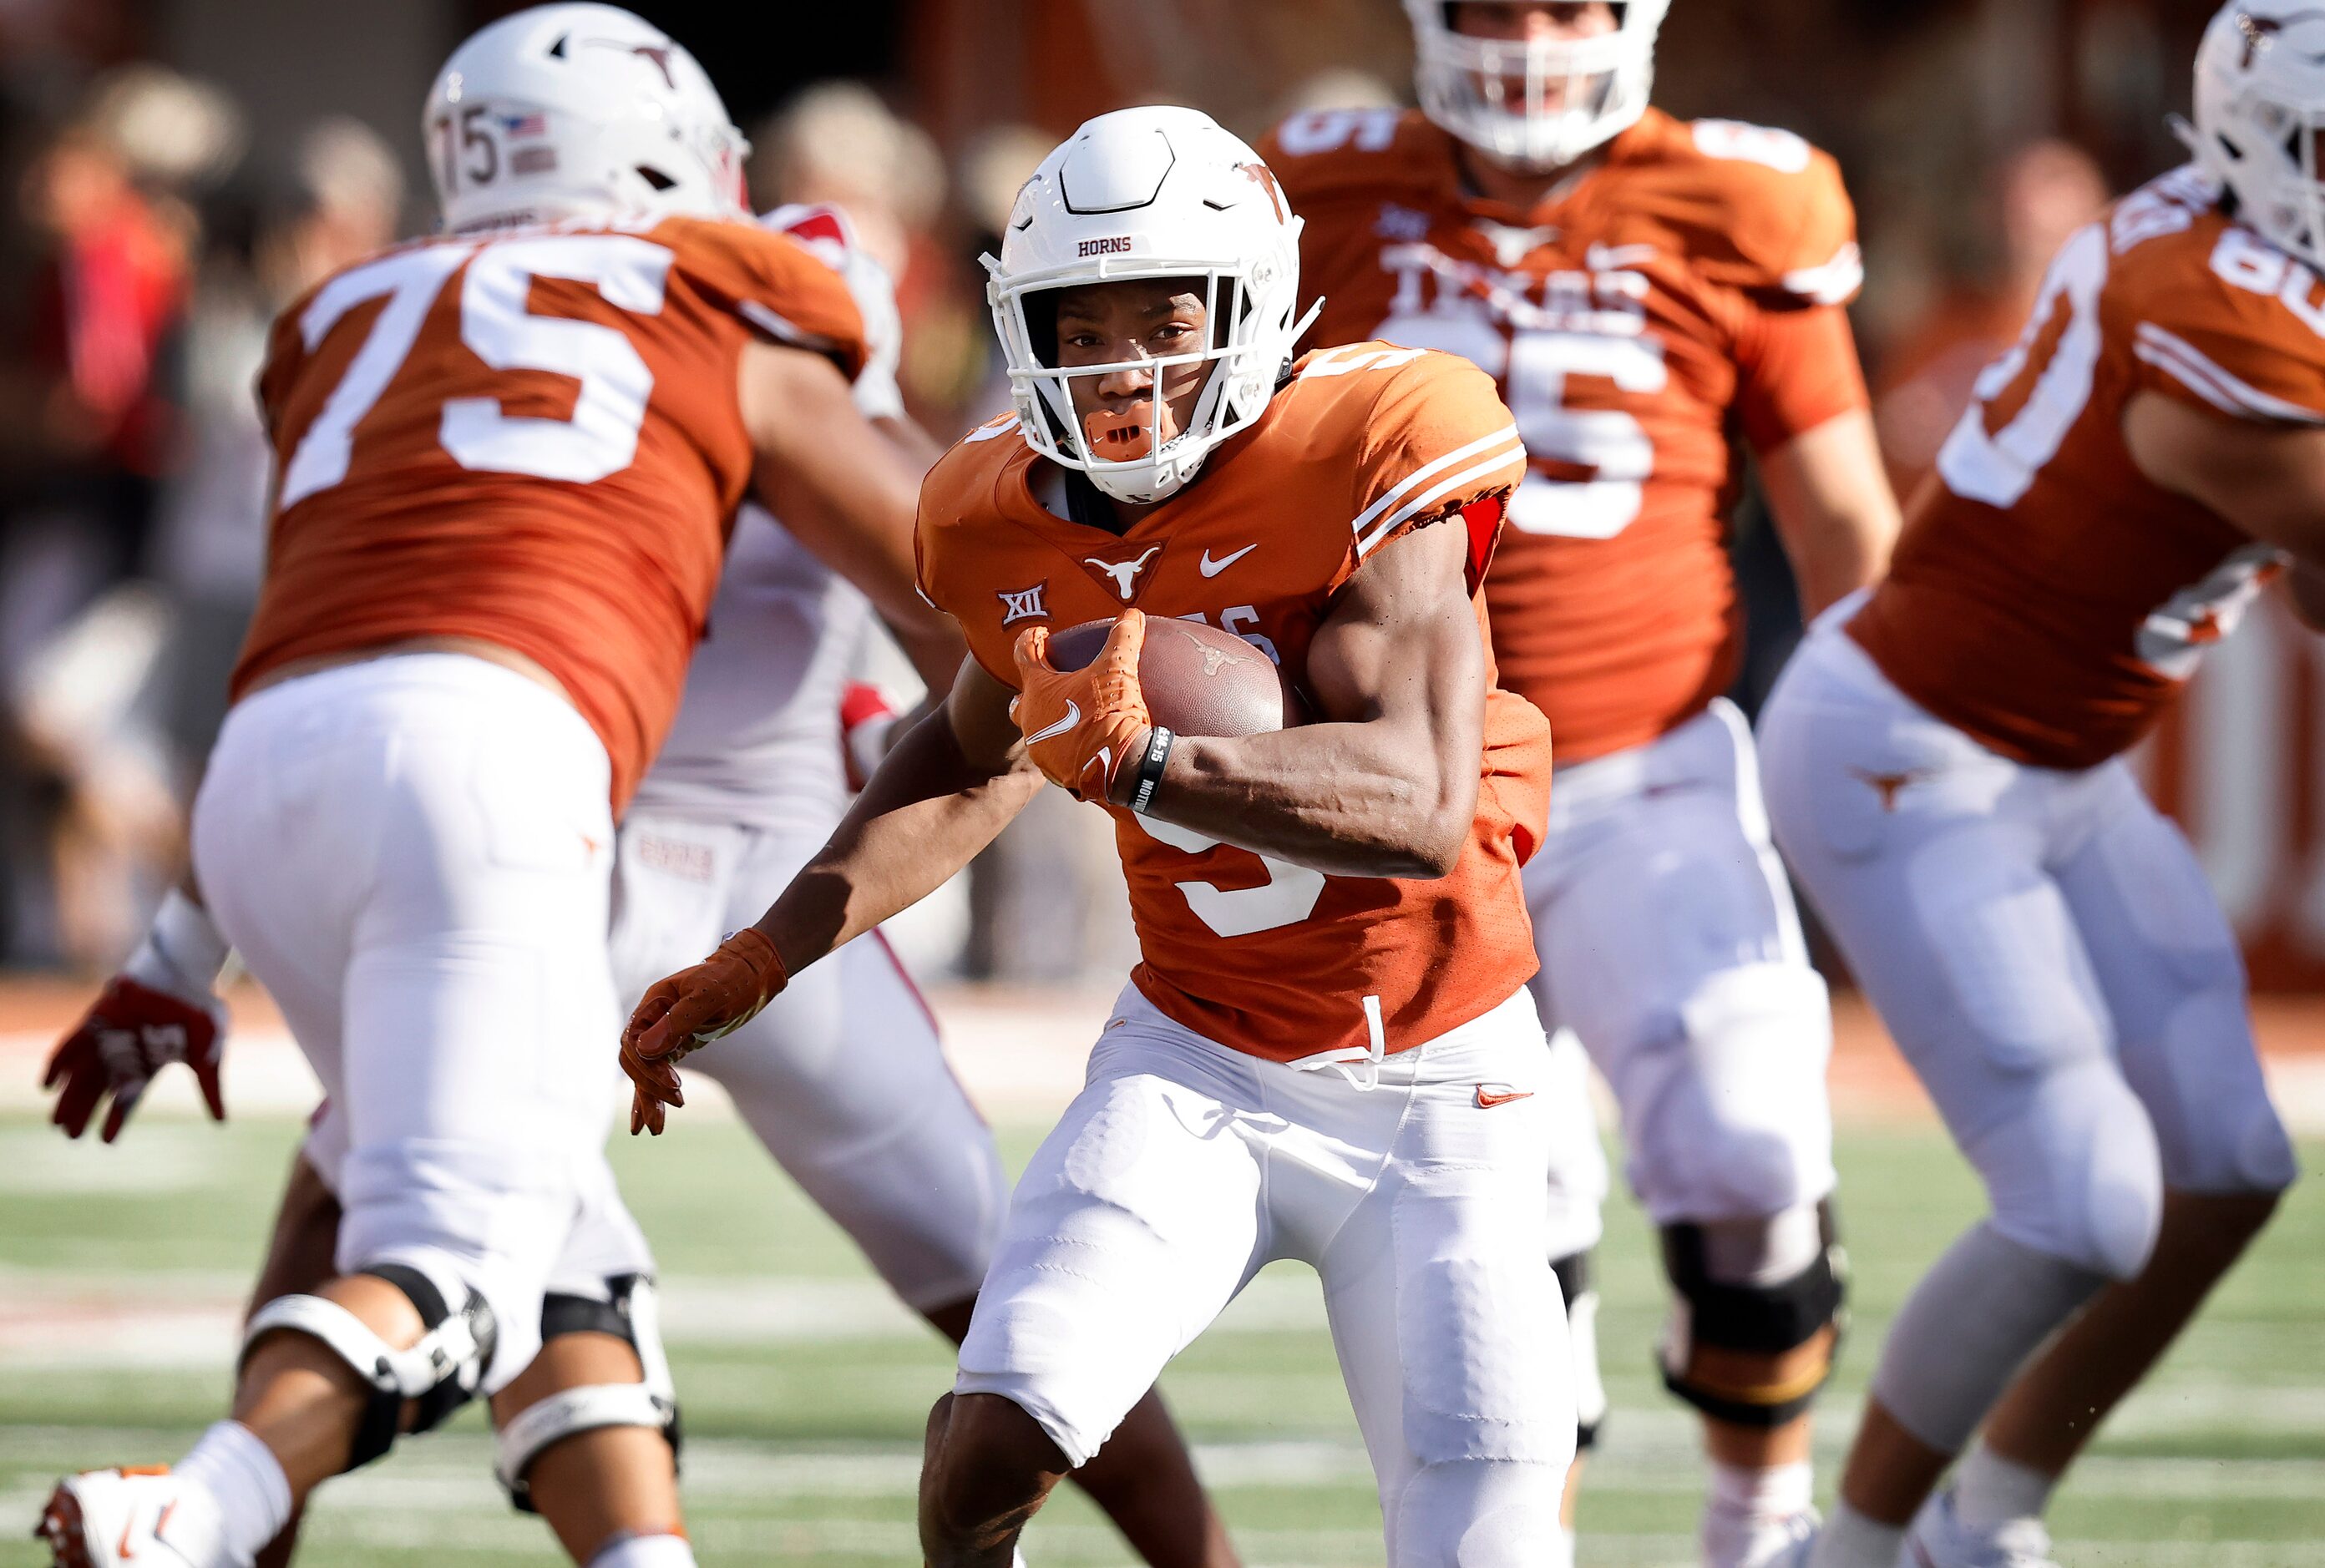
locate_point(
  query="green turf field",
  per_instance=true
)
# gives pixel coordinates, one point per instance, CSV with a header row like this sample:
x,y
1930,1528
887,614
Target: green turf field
x,y
805,1386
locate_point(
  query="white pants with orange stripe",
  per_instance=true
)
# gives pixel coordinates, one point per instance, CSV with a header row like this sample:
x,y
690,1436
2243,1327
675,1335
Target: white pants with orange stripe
x,y
2042,945
1183,1167
843,1077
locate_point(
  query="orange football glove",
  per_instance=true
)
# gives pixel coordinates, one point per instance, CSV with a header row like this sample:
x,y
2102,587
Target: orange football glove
x,y
688,1010
1083,727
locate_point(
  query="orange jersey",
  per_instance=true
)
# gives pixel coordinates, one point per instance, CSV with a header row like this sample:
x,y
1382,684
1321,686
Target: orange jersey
x,y
1688,289
533,438
1364,445
2046,598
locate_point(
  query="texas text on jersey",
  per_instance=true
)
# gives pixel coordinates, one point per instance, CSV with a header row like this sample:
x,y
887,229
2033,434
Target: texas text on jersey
x,y
2047,598
530,437
1364,443
1688,288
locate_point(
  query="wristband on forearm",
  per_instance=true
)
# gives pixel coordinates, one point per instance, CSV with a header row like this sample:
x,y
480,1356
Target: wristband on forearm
x,y
1159,741
184,953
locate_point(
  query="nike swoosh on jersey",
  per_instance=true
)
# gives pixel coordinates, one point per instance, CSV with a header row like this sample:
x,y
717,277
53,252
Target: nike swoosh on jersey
x,y
1051,731
1212,568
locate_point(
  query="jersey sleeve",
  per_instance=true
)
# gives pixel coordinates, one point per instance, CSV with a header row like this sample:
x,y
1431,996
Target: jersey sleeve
x,y
949,570
779,290
1781,226
1437,443
2213,325
1797,370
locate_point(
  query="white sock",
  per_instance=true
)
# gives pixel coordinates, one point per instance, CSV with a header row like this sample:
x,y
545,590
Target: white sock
x,y
1850,1540
1991,1491
1562,1551
245,1479
644,1552
1777,1492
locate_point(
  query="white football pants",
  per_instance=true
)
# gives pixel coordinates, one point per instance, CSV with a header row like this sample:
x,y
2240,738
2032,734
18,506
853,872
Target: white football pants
x,y
2044,949
1183,1167
412,855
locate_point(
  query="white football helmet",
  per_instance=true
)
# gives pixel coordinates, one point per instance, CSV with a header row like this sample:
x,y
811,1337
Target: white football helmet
x,y
578,111
2260,105
1149,193
1497,95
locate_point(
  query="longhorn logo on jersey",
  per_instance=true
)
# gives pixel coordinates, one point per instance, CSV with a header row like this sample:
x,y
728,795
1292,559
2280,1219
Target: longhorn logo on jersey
x,y
1124,575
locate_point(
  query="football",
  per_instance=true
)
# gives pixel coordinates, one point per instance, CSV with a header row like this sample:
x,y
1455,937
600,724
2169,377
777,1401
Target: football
x,y
1199,681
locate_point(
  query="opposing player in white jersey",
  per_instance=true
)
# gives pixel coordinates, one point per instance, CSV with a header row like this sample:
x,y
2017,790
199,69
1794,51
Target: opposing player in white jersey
x,y
1945,772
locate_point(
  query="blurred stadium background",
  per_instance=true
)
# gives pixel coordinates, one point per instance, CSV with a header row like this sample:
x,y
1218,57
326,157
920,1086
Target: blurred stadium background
x,y
176,170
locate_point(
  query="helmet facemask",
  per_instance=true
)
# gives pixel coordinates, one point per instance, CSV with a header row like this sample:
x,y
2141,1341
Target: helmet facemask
x,y
1141,454
1537,104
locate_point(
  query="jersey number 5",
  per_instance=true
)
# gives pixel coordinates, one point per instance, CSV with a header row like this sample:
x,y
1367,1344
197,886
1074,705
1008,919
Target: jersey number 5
x,y
600,437
1287,898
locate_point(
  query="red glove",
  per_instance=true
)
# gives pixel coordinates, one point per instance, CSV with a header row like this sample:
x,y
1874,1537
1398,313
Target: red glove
x,y
129,1034
689,1010
159,1009
1084,728
867,723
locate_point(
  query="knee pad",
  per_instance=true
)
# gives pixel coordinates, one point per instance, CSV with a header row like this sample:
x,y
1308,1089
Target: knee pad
x,y
1476,1513
1578,1286
1728,1116
439,1374
630,1312
1764,1290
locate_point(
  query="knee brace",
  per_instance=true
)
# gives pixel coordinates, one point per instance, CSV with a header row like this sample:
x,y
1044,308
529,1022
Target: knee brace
x,y
1577,1285
630,1314
1760,1319
439,1374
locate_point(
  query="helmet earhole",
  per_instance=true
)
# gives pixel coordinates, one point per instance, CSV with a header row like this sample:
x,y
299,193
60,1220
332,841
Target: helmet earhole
x,y
655,178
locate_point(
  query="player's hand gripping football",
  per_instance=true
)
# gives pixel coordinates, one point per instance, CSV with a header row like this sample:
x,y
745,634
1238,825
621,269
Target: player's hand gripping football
x,y
689,1010
1085,728
159,1009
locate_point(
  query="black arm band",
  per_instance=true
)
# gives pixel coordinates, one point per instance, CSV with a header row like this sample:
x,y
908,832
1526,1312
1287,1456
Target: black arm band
x,y
1159,741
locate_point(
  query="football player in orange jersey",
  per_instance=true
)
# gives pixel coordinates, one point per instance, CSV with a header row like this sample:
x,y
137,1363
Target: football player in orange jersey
x,y
1329,1051
1645,290
509,456
1944,772
843,1078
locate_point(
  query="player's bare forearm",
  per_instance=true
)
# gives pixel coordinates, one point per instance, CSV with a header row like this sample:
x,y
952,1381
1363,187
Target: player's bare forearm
x,y
2268,480
848,488
945,790
1833,507
1388,785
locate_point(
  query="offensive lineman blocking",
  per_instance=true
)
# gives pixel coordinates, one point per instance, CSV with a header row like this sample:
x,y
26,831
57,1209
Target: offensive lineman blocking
x,y
1944,770
509,456
1329,1052
1642,289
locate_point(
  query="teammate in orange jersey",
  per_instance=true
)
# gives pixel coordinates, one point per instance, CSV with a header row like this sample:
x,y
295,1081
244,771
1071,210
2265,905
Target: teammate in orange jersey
x,y
1944,772
1329,1052
1645,290
843,1079
509,456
